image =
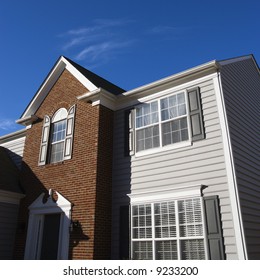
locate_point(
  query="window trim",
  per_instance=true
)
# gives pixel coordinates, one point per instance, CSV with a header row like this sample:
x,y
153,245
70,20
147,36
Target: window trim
x,y
169,194
52,143
45,146
177,238
171,146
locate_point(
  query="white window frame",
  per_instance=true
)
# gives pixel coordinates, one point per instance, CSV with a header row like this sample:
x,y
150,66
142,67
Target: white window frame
x,y
47,132
172,194
160,122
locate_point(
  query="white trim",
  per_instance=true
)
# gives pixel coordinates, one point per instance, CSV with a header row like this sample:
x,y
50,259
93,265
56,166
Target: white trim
x,y
137,97
81,78
59,115
37,210
212,64
17,135
100,96
231,174
175,193
10,197
51,79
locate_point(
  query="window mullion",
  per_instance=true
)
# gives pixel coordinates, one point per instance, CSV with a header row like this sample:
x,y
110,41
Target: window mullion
x,y
153,231
177,230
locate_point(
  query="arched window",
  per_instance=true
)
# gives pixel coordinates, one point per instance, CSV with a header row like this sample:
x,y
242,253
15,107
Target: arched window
x,y
57,136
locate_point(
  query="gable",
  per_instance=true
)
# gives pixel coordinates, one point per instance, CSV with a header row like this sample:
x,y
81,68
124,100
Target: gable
x,y
88,79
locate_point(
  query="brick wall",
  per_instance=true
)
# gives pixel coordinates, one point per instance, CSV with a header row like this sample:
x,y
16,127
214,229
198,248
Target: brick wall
x,y
85,180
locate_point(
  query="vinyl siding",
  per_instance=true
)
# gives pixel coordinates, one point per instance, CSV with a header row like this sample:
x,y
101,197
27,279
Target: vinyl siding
x,y
121,179
8,221
241,87
15,148
201,163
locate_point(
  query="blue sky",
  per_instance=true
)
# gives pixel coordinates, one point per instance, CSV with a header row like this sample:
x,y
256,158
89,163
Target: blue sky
x,y
130,43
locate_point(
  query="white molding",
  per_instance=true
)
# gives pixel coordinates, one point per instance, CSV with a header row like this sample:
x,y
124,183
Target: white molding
x,y
81,78
231,174
100,96
10,197
163,194
51,79
135,98
17,135
37,211
201,68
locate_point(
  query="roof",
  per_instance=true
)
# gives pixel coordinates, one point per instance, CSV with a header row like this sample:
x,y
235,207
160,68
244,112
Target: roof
x,y
97,80
90,80
9,173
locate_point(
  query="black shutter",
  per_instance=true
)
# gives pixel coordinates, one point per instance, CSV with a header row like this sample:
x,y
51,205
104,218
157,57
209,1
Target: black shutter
x,y
196,116
124,233
214,228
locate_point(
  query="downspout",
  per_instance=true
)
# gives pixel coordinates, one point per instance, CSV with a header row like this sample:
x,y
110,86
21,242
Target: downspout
x,y
231,173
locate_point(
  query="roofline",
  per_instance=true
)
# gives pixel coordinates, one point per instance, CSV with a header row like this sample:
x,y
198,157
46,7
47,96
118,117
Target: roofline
x,y
206,66
61,64
13,136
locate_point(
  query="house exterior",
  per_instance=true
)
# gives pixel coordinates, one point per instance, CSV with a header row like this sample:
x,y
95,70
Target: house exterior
x,y
169,170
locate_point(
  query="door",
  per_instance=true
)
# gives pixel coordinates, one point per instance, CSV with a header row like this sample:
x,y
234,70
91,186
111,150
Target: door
x,y
49,244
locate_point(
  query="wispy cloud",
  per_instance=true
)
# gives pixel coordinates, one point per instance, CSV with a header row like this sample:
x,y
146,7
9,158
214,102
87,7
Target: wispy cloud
x,y
98,42
7,124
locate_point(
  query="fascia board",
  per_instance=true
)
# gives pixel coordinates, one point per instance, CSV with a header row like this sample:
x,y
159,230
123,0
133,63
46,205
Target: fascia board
x,y
204,67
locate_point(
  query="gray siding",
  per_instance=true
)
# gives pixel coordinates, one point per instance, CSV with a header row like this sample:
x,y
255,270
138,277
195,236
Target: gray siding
x,y
201,163
241,87
121,179
8,222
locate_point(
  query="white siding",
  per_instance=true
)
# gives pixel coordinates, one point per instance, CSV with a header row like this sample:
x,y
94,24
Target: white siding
x,y
201,163
241,87
15,147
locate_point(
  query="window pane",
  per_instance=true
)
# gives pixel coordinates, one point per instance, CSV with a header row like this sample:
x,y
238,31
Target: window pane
x,y
147,138
165,222
142,221
147,114
142,250
166,250
190,218
173,106
57,152
192,249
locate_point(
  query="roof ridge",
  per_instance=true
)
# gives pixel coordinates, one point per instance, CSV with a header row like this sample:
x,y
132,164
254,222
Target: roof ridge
x,y
96,79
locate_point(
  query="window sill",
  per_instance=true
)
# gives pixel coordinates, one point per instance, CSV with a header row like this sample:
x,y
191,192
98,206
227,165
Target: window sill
x,y
163,149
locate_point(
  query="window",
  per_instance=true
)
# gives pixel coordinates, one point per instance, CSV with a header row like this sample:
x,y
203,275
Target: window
x,y
169,230
57,136
166,121
57,141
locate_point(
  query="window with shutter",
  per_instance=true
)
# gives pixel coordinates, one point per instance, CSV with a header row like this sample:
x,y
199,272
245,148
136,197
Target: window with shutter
x,y
57,136
167,121
169,230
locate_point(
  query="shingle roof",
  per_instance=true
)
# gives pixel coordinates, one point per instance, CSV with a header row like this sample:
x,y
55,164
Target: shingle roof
x,y
97,80
9,173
